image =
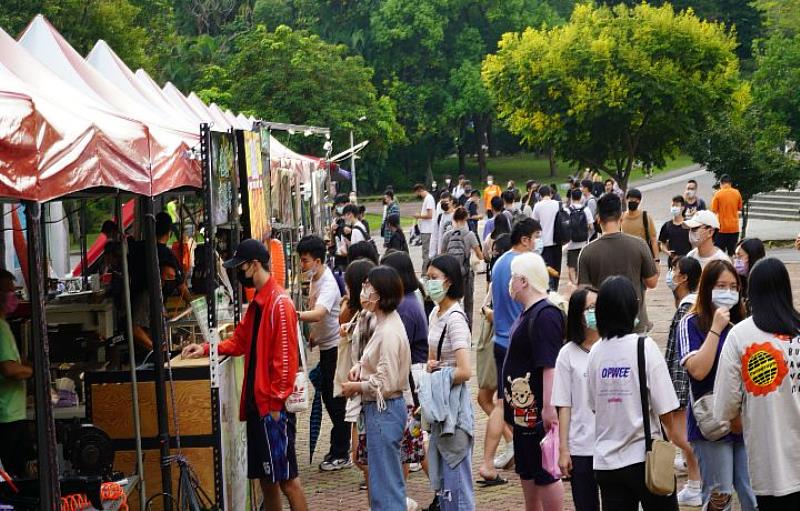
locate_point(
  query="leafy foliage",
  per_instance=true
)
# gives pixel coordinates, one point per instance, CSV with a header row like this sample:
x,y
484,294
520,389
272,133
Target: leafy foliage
x,y
613,86
776,82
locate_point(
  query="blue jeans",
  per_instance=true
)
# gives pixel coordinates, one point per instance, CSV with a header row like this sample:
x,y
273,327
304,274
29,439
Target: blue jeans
x,y
723,467
457,493
387,487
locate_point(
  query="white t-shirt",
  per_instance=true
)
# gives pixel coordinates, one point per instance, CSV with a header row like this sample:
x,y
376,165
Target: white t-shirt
x,y
570,389
613,383
325,292
357,235
718,255
457,336
545,212
426,225
757,375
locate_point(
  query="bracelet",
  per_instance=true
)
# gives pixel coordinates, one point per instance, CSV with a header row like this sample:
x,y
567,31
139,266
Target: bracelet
x,y
713,332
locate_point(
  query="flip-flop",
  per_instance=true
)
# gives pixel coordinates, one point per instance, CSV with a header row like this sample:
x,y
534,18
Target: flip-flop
x,y
495,481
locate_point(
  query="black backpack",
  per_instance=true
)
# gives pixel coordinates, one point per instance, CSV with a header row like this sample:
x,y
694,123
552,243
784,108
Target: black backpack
x,y
561,228
578,225
457,247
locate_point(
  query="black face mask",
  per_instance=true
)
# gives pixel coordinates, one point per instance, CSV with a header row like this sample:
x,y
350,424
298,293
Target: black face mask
x,y
633,205
445,207
244,279
168,288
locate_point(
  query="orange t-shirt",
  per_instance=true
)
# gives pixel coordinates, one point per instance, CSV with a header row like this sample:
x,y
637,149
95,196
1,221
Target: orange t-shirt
x,y
489,193
727,203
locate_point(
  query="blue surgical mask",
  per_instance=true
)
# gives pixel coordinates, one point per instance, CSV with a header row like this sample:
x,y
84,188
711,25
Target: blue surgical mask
x,y
539,247
670,283
590,319
434,288
724,298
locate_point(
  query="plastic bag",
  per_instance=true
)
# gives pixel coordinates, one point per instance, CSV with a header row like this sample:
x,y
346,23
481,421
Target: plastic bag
x,y
550,447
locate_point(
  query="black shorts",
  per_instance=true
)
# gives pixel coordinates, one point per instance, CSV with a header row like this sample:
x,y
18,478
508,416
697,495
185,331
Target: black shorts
x,y
499,358
270,448
528,455
572,258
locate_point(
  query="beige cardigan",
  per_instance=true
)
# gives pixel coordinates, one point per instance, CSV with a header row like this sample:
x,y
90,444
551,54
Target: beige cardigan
x,y
386,362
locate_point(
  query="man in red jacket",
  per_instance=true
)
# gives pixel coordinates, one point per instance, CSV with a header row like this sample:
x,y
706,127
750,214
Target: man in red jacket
x,y
267,337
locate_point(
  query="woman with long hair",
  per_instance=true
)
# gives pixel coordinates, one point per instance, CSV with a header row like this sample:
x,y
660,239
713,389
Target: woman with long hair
x,y
683,279
449,343
701,337
381,377
748,252
614,394
575,417
756,381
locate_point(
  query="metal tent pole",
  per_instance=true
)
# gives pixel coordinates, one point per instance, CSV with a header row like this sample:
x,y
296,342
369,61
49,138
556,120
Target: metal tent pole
x,y
49,491
157,331
137,421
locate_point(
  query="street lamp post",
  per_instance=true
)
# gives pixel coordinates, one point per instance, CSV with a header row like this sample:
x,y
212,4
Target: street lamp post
x,y
353,158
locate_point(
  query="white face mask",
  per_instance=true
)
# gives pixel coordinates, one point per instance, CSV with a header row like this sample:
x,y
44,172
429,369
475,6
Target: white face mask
x,y
490,182
724,298
675,210
690,193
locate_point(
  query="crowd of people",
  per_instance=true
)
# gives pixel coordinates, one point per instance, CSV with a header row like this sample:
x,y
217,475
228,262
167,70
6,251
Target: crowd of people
x,y
572,368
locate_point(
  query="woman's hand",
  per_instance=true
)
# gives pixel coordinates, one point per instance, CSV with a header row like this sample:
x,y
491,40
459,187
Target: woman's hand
x,y
351,388
193,351
722,316
355,373
433,365
564,461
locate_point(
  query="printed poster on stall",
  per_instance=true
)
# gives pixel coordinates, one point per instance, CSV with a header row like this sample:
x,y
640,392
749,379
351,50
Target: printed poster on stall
x,y
256,193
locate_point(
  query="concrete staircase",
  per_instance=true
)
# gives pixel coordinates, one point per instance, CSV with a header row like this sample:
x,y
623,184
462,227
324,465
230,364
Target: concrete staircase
x,y
778,205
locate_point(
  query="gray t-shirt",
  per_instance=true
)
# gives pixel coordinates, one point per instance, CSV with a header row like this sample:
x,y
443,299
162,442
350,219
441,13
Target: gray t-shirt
x,y
325,292
470,241
617,253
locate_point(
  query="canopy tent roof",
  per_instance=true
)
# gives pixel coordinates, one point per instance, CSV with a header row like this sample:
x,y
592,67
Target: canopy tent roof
x,y
169,146
76,146
108,64
179,101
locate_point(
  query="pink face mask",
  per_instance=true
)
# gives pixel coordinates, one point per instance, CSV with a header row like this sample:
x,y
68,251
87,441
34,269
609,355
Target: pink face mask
x,y
11,303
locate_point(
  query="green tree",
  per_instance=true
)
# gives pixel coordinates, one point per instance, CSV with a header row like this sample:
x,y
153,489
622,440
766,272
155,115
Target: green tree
x,y
776,82
780,15
83,23
750,148
292,76
613,86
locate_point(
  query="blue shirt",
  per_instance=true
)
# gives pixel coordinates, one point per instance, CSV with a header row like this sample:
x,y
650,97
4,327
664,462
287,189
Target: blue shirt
x,y
488,227
690,339
506,310
416,323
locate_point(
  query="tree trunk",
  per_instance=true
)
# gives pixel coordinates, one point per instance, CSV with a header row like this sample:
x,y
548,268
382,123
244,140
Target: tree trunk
x,y
462,151
429,175
490,138
483,145
551,157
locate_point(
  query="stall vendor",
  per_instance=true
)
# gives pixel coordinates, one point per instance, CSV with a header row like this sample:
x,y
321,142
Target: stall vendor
x,y
163,231
14,446
141,307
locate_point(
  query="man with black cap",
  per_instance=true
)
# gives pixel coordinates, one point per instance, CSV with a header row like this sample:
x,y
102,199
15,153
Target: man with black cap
x,y
267,337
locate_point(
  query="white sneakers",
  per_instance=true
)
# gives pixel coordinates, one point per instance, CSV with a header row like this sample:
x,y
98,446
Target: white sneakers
x,y
502,460
691,494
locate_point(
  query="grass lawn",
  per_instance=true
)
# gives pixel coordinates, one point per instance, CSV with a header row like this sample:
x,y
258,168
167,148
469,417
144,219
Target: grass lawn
x,y
520,168
75,247
374,220
524,166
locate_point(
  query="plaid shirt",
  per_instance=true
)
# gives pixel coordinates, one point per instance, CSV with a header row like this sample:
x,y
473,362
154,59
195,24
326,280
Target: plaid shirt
x,y
680,380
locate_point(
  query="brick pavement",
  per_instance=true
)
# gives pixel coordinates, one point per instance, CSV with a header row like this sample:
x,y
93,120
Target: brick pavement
x,y
339,490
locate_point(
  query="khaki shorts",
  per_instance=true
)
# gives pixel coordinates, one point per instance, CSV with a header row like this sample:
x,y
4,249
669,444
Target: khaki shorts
x,y
485,367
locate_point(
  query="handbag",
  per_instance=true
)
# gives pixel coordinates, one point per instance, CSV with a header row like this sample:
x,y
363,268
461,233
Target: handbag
x,y
549,446
703,411
659,462
299,401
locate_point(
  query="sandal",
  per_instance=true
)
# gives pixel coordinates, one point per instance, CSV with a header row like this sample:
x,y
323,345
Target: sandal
x,y
497,480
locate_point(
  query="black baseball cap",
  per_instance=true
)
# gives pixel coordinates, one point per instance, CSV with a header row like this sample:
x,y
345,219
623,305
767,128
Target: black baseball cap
x,y
248,250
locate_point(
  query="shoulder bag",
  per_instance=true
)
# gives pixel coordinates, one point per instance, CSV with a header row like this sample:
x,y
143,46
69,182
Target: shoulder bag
x,y
703,411
659,473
